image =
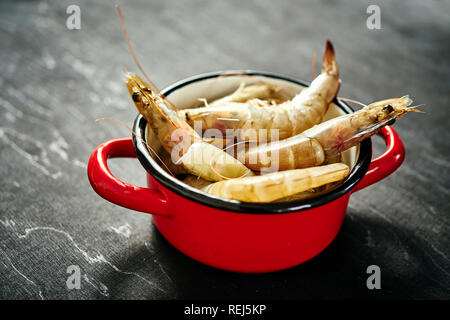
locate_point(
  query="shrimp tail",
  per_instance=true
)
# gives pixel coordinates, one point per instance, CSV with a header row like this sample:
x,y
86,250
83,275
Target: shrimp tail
x,y
329,63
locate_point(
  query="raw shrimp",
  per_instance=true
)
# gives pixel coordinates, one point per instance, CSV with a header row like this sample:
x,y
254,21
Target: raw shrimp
x,y
261,91
179,139
259,122
325,141
200,183
278,185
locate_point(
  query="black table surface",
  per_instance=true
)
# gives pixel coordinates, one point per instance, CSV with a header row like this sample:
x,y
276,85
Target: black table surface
x,y
56,82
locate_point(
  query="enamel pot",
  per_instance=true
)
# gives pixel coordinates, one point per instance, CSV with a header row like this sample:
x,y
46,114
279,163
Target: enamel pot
x,y
228,234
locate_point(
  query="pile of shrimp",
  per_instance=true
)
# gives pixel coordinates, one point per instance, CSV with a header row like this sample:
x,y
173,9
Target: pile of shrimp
x,y
281,149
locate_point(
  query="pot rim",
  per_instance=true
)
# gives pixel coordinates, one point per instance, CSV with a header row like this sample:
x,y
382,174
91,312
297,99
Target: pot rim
x,y
196,195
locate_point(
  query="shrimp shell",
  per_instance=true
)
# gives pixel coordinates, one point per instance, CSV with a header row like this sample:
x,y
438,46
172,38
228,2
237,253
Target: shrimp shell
x,y
278,185
327,140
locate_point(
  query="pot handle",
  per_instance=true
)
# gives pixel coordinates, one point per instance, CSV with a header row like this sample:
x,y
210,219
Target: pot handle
x,y
119,192
388,162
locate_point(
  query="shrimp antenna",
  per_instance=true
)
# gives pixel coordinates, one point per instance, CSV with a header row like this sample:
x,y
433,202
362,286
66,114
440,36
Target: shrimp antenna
x,y
353,101
127,39
134,134
417,110
412,108
122,21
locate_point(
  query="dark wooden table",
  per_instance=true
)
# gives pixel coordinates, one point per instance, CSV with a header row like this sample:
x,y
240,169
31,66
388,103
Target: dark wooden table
x,y
56,82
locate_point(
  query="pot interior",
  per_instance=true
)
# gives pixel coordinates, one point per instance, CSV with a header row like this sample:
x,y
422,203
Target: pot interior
x,y
186,94
214,88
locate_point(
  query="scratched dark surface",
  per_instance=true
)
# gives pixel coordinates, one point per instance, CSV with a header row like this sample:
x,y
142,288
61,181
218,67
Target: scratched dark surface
x,y
55,82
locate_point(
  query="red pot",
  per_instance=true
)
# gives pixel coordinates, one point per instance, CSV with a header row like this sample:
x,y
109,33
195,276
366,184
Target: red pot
x,y
228,234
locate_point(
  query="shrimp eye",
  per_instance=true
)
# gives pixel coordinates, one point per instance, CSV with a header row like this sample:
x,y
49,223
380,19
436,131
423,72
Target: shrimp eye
x,y
136,97
388,108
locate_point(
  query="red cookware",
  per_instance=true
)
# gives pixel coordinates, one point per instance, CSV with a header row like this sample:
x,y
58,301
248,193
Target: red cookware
x,y
228,234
